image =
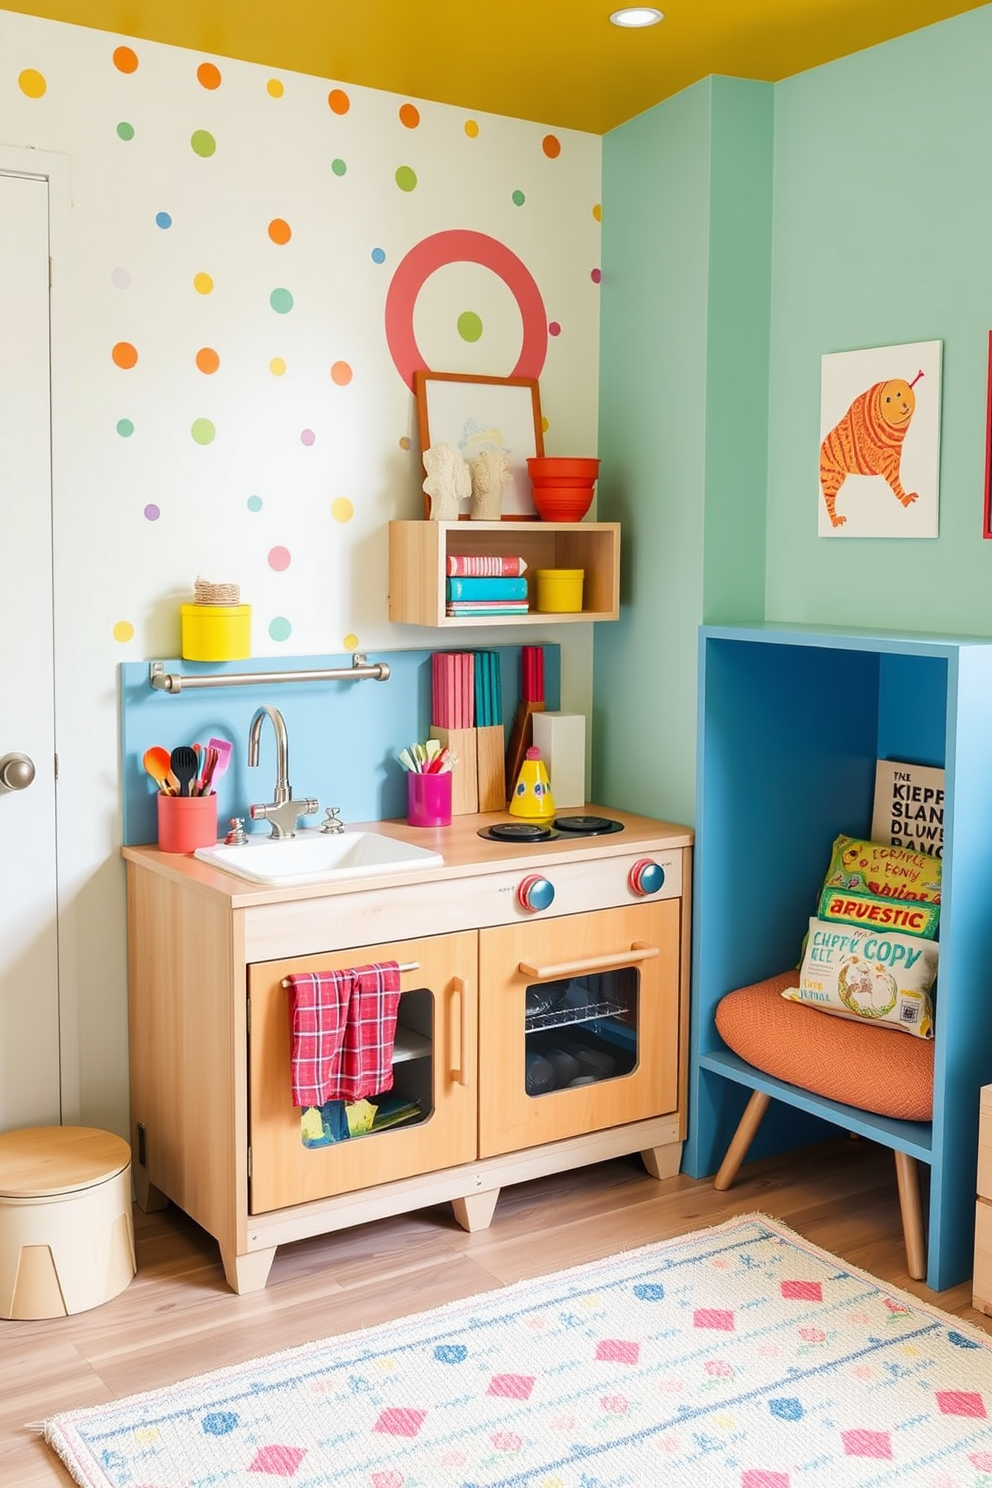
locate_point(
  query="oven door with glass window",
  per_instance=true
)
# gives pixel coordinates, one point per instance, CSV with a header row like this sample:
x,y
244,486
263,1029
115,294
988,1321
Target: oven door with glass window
x,y
578,1024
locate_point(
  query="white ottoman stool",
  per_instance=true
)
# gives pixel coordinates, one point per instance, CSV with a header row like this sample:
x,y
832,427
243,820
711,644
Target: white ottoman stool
x,y
66,1234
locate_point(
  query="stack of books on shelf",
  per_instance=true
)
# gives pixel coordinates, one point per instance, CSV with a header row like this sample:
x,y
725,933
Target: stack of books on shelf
x,y
485,585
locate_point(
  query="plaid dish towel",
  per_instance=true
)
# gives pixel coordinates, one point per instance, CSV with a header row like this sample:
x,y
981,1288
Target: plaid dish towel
x,y
343,1025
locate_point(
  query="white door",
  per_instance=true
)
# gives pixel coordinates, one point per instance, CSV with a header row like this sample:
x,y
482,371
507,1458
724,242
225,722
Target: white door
x,y
29,1006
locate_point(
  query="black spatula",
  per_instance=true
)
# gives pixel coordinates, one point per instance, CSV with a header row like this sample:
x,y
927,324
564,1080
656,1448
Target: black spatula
x,y
184,766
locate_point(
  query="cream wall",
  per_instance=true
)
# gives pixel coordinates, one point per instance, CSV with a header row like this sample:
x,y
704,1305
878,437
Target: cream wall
x,y
280,468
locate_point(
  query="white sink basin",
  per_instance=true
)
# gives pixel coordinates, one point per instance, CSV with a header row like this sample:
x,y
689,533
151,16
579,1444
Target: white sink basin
x,y
317,857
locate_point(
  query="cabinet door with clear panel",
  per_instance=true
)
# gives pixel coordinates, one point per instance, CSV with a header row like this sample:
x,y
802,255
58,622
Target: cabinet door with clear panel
x,y
578,1024
425,1121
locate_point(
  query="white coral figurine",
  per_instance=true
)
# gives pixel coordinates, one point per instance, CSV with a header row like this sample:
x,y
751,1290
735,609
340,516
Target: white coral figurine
x,y
490,473
448,482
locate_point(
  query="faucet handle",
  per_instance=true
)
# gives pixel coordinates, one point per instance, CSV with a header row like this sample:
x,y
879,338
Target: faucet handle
x,y
332,820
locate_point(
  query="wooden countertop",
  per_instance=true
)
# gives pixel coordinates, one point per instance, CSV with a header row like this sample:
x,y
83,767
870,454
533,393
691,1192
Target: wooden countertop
x,y
464,851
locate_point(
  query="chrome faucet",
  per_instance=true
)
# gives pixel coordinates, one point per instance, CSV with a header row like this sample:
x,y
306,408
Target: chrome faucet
x,y
282,811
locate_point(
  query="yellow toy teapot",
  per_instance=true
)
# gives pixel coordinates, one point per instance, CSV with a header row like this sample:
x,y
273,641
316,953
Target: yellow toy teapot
x,y
532,792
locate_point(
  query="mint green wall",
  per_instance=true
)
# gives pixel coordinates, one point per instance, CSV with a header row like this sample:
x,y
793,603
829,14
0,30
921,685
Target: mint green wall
x,y
883,234
683,413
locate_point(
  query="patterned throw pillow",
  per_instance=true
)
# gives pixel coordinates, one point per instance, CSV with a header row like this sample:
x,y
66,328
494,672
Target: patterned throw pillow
x,y
877,976
887,875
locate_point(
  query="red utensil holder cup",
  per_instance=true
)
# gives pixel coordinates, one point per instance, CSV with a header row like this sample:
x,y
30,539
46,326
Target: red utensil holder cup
x,y
186,823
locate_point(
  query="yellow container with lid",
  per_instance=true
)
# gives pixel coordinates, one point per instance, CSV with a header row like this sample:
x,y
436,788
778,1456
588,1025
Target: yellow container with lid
x,y
216,632
559,590
532,791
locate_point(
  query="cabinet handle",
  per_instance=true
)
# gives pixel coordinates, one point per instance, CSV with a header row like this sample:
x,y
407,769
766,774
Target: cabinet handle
x,y
460,989
403,965
638,952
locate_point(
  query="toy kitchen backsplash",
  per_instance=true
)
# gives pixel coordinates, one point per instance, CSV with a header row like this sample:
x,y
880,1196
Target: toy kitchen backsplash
x,y
344,736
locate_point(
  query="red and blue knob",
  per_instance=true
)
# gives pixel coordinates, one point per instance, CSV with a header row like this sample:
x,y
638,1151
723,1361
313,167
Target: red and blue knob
x,y
534,892
646,877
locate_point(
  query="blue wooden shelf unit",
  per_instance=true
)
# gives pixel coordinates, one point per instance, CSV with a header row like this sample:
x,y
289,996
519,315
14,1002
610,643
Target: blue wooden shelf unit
x,y
791,722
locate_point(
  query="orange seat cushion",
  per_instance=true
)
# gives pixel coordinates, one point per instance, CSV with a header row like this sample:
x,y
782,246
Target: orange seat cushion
x,y
876,1069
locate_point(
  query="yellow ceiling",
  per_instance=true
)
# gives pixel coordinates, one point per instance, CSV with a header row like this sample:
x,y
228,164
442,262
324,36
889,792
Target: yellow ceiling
x,y
556,61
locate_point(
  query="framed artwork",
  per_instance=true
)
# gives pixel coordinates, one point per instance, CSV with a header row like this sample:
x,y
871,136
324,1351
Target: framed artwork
x,y
987,523
485,413
879,459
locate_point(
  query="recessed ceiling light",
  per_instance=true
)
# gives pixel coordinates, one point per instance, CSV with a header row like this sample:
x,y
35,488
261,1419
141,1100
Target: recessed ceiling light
x,y
637,15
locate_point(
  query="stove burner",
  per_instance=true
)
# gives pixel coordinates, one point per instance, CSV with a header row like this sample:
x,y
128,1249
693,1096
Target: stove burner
x,y
519,832
587,826
562,826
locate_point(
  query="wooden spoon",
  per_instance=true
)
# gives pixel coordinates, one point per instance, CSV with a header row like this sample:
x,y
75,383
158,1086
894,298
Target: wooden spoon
x,y
158,764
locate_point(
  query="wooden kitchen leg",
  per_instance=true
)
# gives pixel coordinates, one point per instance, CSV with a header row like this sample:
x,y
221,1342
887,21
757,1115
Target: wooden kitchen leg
x,y
475,1210
663,1162
247,1273
148,1197
742,1139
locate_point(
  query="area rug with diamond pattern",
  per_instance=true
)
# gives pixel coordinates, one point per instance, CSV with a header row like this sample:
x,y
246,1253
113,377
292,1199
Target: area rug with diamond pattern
x,y
740,1356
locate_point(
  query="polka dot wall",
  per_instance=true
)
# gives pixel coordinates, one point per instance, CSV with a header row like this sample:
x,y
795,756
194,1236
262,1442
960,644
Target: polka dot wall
x,y
241,370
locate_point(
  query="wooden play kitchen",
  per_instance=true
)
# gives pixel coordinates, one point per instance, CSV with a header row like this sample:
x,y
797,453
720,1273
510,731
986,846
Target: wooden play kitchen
x,y
542,1026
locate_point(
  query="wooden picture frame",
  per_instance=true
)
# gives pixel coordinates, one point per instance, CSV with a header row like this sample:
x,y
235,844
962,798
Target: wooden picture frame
x,y
987,505
478,413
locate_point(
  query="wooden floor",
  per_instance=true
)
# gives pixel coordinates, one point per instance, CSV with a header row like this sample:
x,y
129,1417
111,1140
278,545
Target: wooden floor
x,y
177,1318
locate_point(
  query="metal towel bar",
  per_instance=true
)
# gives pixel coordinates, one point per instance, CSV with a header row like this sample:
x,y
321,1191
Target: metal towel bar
x,y
174,682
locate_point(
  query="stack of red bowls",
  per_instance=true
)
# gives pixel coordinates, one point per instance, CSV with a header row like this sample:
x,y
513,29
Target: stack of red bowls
x,y
562,486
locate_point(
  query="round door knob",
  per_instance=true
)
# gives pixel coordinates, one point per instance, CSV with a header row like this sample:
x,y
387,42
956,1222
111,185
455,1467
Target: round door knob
x,y
646,876
16,771
534,892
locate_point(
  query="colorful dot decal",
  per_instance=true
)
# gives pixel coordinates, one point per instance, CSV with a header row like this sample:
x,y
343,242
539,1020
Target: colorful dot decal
x,y
518,198
554,329
339,168
125,131
551,146
125,428
277,367
162,219
202,143
31,83
596,275
545,423
152,512
208,76
350,642
406,178
460,245
597,212
409,116
207,359
281,301
279,559
471,129
404,442
279,231
254,503
203,284
378,255
123,631
203,431
124,355
280,629
469,325
307,437
274,88
341,374
341,509
120,279
338,101
125,59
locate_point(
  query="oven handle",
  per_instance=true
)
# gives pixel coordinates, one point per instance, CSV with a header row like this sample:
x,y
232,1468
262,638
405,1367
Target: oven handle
x,y
460,988
638,952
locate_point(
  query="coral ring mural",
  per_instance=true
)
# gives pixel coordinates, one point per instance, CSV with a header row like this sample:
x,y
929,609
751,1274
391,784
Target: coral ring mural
x,y
459,245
